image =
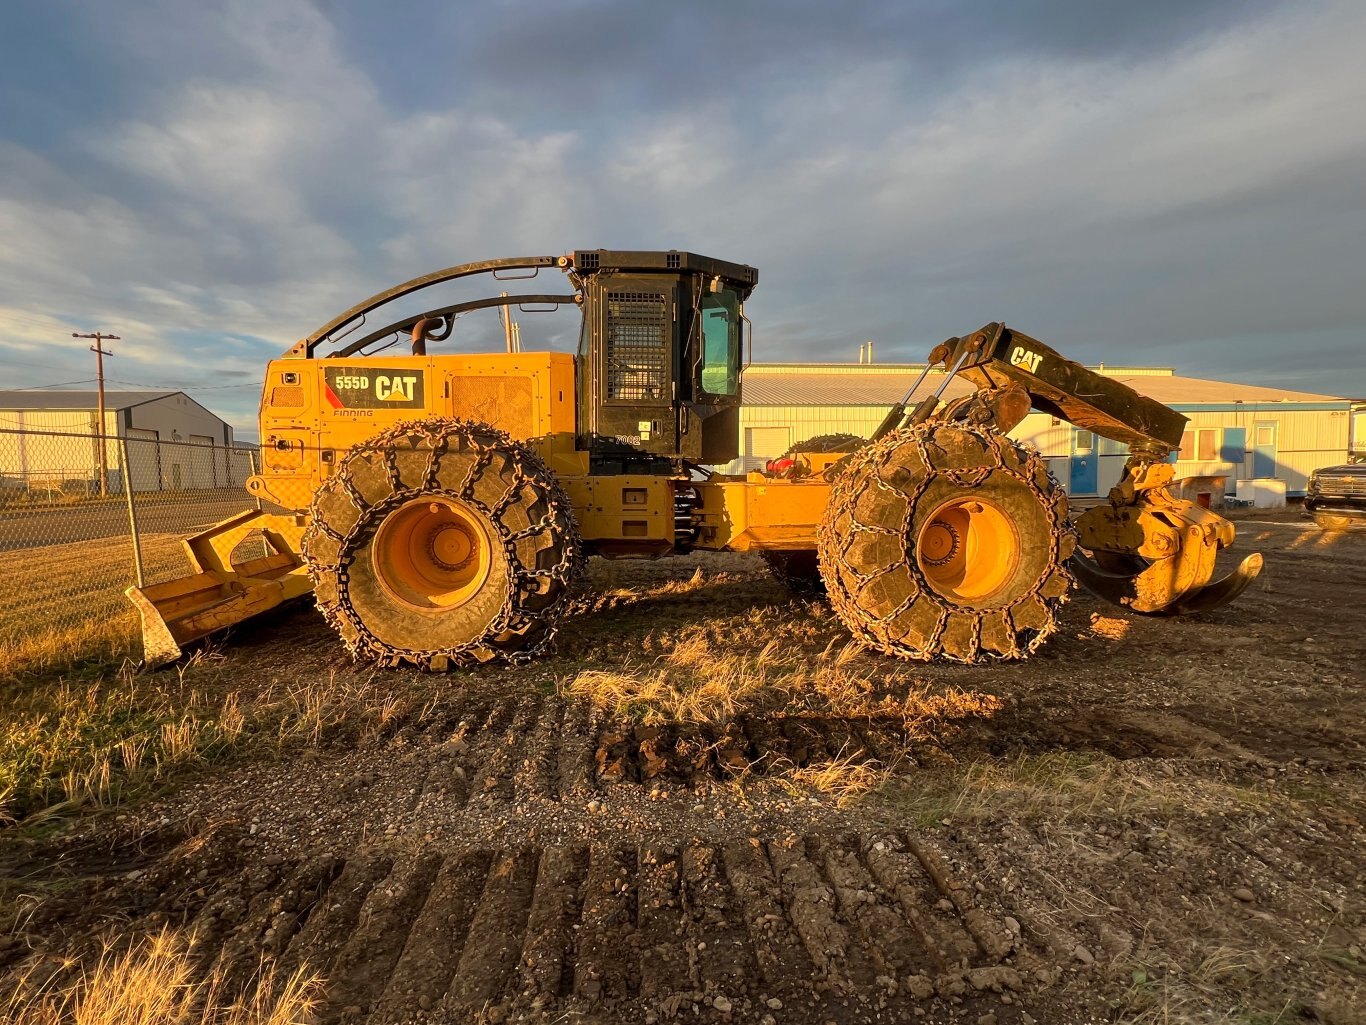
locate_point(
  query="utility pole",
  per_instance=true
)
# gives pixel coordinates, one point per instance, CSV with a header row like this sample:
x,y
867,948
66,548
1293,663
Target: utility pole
x,y
98,350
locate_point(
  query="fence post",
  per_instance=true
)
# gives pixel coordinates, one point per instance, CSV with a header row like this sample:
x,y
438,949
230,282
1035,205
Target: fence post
x,y
251,455
132,509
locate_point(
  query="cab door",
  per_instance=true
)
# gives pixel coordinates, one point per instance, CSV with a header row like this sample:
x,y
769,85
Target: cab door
x,y
634,328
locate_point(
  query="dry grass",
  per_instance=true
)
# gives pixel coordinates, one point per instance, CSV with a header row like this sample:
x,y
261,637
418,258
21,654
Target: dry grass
x,y
1210,994
157,983
1066,785
73,746
696,679
67,746
844,778
699,678
689,684
64,604
106,639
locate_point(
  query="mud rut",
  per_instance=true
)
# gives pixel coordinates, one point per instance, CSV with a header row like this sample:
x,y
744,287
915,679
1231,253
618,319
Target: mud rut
x,y
541,911
524,858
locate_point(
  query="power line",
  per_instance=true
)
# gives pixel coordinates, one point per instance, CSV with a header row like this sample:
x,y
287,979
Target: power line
x,y
23,363
187,385
59,384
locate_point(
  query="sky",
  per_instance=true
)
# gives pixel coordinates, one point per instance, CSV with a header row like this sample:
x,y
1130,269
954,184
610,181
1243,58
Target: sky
x,y
1176,183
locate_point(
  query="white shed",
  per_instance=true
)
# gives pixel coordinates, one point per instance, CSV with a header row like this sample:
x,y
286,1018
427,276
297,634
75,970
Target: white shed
x,y
48,439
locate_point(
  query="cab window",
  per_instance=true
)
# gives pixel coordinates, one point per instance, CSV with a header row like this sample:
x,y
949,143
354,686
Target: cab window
x,y
720,342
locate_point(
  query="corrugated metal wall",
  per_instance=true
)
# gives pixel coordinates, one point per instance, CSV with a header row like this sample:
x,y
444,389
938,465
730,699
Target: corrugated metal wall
x,y
1305,440
200,460
52,459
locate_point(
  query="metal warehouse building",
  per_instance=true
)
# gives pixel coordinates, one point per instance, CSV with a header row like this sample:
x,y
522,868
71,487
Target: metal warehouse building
x,y
47,440
1241,431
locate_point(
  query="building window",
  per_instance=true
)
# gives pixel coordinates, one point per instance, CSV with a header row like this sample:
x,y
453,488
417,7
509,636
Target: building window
x,y
1200,445
1207,447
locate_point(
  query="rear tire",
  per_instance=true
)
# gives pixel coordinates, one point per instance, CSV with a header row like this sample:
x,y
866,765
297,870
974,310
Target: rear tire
x,y
947,540
442,543
828,443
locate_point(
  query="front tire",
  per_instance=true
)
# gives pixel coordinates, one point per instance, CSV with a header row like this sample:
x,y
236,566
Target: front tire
x,y
442,543
947,540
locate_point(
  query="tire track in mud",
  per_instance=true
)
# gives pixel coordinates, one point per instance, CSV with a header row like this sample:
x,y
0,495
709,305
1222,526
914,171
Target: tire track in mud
x,y
828,925
695,753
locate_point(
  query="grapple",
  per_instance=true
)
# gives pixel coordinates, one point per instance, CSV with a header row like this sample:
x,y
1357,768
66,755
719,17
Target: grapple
x,y
1154,552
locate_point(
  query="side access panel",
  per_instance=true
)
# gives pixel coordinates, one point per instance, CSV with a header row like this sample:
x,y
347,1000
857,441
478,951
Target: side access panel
x,y
623,515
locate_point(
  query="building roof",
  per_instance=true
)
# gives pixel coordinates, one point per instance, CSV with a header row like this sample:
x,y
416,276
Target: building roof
x,y
38,398
774,384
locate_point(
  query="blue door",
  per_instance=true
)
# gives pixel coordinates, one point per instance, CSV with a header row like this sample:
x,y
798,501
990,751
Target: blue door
x,y
1264,448
1083,475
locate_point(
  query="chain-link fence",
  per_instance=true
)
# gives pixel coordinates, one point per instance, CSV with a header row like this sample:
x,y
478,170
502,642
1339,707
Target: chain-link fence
x,y
84,516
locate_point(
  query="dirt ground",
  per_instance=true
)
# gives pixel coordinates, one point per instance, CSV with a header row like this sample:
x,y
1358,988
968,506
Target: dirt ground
x,y
1152,820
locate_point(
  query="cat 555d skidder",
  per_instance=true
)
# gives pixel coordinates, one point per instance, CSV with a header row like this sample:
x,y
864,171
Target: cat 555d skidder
x,y
439,506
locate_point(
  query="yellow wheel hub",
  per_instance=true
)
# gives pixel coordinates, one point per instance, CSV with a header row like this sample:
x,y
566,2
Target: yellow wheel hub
x,y
432,554
968,549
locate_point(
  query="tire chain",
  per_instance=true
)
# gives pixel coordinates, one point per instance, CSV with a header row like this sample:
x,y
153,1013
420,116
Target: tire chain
x,y
865,466
528,469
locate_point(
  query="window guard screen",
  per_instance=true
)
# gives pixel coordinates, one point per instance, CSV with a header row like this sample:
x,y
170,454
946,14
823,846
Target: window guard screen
x,y
637,346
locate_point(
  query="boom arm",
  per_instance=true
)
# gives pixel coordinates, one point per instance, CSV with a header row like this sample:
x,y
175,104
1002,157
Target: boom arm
x,y
303,348
1068,390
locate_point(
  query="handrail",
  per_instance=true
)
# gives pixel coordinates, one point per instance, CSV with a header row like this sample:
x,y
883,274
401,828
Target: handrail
x,y
303,349
454,310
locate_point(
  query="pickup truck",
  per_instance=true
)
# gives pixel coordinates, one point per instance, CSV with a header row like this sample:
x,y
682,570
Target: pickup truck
x,y
1336,496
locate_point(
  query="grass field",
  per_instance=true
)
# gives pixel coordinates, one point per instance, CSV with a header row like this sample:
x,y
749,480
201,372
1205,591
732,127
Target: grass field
x,y
64,604
156,982
706,793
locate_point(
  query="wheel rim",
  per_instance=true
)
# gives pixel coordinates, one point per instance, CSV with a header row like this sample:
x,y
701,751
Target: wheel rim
x,y
968,549
431,554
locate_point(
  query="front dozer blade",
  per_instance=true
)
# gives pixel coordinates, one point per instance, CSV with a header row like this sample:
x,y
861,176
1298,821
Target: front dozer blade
x,y
219,593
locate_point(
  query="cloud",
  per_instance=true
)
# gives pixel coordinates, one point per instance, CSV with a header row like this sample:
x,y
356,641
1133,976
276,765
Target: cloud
x,y
1133,187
